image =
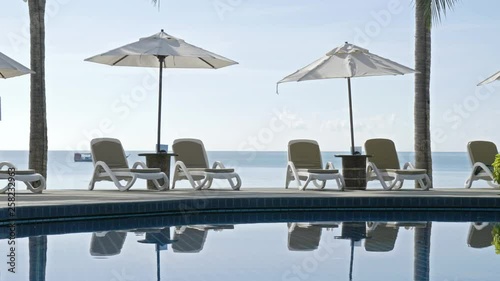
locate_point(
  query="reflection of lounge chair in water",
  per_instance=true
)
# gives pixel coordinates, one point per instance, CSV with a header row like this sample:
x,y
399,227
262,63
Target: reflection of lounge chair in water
x,y
381,237
306,236
191,239
105,244
480,235
160,237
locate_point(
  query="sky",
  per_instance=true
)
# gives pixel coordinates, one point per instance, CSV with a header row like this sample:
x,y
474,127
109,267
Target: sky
x,y
236,107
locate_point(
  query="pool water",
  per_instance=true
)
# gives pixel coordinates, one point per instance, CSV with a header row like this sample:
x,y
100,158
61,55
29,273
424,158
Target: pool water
x,y
269,251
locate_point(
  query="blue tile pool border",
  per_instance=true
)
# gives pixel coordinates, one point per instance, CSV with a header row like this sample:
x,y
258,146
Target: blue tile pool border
x,y
215,205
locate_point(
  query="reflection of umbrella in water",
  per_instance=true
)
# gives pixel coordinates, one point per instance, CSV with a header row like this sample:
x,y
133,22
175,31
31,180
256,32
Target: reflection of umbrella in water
x,y
161,239
163,51
355,231
348,61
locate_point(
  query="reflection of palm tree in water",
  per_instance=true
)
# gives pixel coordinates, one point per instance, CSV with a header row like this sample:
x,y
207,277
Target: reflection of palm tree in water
x,y
37,257
422,253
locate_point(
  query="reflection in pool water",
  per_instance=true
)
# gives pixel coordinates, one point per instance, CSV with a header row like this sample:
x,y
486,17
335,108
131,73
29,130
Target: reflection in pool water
x,y
274,251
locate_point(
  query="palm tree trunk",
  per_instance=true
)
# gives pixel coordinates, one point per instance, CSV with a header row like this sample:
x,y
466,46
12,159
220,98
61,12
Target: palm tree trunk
x,y
423,158
37,258
38,119
422,252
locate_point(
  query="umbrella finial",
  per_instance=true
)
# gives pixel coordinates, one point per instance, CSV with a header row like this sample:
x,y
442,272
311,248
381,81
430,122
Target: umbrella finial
x,y
162,30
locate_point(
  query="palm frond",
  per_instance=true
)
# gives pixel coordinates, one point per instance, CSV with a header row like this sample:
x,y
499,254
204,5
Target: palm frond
x,y
435,10
440,7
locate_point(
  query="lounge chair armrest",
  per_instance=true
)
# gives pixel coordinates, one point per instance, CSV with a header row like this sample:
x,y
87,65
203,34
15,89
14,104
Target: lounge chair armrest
x,y
181,166
329,166
102,163
408,165
370,166
291,165
104,166
139,164
218,164
7,164
481,166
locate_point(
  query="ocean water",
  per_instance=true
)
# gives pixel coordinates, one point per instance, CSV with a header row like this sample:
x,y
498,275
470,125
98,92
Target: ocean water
x,y
257,169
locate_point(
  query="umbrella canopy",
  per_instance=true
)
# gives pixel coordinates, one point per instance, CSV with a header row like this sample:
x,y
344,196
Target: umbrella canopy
x,y
163,51
348,61
490,79
10,68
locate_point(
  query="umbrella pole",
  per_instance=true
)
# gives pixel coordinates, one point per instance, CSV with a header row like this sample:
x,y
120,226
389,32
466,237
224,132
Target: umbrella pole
x,y
352,260
158,262
350,114
161,59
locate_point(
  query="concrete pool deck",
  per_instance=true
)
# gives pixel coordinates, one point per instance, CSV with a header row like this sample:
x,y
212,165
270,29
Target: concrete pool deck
x,y
76,211
67,205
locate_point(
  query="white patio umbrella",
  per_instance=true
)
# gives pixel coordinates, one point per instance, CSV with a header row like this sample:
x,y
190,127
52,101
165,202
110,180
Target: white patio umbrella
x,y
11,68
348,61
163,51
490,79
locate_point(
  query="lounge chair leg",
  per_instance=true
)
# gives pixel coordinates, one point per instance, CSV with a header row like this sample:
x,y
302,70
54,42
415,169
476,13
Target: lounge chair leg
x,y
127,186
422,185
305,184
39,189
468,183
398,184
320,185
238,183
492,184
340,183
208,183
3,190
288,177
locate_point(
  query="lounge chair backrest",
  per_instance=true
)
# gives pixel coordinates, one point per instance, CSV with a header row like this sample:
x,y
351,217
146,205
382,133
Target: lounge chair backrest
x,y
191,152
109,151
304,238
191,240
381,239
383,153
480,238
107,244
482,151
305,154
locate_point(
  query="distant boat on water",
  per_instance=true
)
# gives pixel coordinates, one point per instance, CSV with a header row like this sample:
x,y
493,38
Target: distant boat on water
x,y
86,156
83,157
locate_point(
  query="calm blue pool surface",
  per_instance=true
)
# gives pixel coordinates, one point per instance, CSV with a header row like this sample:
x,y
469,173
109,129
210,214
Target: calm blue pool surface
x,y
265,251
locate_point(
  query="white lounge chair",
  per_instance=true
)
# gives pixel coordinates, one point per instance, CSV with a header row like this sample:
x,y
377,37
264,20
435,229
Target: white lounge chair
x,y
482,155
192,165
383,165
9,172
110,164
304,163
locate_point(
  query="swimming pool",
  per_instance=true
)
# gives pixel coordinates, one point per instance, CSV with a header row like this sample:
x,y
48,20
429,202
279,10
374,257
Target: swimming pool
x,y
279,249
